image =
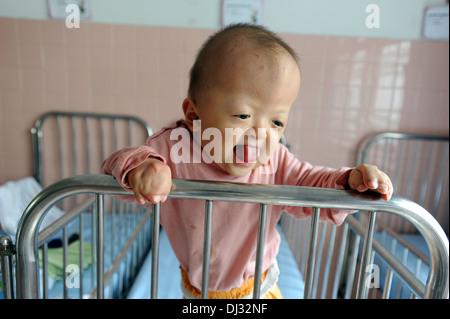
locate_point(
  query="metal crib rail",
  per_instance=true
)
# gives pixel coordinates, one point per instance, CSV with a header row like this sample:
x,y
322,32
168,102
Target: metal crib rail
x,y
26,240
417,161
74,117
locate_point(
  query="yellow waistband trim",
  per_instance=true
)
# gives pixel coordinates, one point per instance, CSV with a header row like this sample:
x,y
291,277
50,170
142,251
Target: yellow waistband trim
x,y
235,293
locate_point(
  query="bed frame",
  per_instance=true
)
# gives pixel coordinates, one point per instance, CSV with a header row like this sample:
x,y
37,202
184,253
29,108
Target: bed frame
x,y
418,165
72,143
101,185
78,142
336,262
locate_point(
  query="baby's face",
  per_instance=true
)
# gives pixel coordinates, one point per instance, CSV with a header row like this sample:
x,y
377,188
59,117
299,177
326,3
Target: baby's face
x,y
249,103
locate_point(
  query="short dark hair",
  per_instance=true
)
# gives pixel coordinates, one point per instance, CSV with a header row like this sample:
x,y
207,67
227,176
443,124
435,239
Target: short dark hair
x,y
211,49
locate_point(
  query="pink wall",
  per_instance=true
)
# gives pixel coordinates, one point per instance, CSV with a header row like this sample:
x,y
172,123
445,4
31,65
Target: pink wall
x,y
351,87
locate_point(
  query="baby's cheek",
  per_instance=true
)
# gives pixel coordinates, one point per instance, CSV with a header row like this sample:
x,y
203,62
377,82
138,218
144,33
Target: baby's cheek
x,y
272,141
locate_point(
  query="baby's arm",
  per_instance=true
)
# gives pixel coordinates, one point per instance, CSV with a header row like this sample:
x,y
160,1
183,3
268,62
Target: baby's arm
x,y
369,177
141,170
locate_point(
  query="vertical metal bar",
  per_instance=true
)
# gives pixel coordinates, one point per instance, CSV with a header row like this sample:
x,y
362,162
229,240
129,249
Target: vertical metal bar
x,y
100,238
88,145
340,260
328,260
60,159
412,173
260,251
399,161
206,248
65,257
295,233
366,255
387,284
81,230
385,155
113,228
94,242
311,253
155,252
393,250
102,139
116,130
319,261
36,139
395,180
426,176
400,285
119,238
351,265
440,182
7,250
74,147
374,287
130,134
304,233
130,255
45,269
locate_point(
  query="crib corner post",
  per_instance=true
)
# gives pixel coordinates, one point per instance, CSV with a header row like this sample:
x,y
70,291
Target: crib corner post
x,y
7,250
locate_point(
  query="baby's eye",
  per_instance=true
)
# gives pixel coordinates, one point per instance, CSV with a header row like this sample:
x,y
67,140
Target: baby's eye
x,y
278,123
242,116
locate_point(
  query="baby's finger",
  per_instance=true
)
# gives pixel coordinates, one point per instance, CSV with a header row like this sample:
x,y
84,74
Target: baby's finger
x,y
356,181
386,197
140,199
377,180
370,176
158,198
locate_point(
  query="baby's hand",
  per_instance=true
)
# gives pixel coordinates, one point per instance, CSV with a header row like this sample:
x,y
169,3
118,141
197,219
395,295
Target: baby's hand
x,y
151,181
369,177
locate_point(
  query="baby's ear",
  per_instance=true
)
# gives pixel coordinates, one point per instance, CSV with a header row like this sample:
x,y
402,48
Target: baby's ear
x,y
190,112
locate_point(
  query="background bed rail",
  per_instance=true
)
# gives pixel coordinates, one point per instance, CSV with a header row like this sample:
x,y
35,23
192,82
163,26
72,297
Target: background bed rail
x,y
418,167
76,143
436,285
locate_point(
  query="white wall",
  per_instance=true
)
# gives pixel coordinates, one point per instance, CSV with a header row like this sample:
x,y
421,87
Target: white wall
x,y
399,19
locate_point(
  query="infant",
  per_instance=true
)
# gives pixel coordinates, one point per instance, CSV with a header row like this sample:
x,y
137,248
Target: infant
x,y
242,86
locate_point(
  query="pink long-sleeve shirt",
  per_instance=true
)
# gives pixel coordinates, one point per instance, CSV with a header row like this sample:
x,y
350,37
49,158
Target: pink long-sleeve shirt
x,y
234,225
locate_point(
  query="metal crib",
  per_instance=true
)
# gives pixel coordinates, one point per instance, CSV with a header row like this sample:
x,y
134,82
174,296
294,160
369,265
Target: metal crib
x,y
436,286
73,143
80,141
418,165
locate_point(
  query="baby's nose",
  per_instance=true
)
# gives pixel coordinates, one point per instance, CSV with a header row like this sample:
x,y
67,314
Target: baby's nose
x,y
261,128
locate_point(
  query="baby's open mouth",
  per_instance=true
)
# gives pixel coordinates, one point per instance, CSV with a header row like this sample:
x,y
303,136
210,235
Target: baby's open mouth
x,y
246,154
